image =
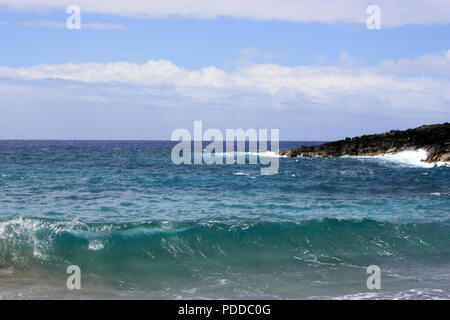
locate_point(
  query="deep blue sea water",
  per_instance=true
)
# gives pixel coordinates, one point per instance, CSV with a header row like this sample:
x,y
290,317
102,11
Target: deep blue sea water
x,y
139,226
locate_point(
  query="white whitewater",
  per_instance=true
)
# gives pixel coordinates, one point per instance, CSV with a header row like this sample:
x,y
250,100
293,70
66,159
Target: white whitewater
x,y
413,158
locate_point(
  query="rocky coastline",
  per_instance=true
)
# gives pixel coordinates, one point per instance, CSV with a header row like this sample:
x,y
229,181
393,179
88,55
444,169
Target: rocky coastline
x,y
435,139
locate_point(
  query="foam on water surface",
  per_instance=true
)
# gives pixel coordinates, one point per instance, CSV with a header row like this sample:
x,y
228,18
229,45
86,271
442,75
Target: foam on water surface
x,y
414,158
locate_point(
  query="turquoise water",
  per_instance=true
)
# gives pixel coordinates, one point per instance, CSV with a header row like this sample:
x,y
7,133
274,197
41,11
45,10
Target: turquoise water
x,y
139,226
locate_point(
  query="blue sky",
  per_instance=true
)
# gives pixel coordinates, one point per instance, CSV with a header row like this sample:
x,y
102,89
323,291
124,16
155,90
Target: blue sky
x,y
314,80
198,43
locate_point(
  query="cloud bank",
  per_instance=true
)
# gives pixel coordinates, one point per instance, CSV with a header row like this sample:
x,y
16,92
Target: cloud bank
x,y
394,13
329,99
403,85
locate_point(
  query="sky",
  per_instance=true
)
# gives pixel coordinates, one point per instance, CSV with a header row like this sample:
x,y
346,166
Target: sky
x,y
141,69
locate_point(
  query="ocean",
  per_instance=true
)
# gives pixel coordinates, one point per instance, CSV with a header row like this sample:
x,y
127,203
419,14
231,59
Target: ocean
x,y
139,226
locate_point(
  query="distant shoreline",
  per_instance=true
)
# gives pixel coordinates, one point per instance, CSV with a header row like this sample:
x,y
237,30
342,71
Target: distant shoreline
x,y
434,139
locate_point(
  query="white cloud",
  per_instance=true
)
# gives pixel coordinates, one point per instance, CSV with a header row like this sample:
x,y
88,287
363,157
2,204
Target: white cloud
x,y
43,23
103,26
429,64
248,56
393,13
61,24
338,88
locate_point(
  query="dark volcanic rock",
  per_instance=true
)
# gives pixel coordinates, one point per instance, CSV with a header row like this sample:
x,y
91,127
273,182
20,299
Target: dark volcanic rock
x,y
433,138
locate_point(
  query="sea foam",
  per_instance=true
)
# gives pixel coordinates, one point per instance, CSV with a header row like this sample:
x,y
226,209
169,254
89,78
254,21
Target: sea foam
x,y
415,158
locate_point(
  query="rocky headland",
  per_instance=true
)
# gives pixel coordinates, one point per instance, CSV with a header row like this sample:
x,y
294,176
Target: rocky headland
x,y
435,139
